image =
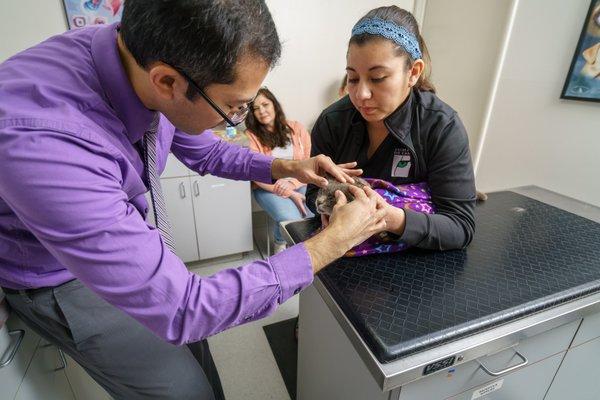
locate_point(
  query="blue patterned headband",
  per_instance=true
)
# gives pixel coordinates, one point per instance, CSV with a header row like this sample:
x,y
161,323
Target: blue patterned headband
x,y
392,31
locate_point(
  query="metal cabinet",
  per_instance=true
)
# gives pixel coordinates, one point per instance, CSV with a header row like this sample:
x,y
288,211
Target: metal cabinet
x,y
543,353
529,383
577,378
45,377
37,371
12,374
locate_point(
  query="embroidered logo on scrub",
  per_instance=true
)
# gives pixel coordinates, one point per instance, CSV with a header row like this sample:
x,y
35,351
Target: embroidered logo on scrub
x,y
401,164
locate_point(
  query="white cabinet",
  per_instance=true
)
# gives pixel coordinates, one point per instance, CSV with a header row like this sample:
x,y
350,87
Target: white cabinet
x,y
210,216
178,198
223,216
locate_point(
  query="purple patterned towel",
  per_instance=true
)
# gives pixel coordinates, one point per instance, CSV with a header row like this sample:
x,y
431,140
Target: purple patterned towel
x,y
413,196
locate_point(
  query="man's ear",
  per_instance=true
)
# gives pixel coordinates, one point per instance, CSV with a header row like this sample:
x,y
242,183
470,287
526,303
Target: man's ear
x,y
591,54
166,82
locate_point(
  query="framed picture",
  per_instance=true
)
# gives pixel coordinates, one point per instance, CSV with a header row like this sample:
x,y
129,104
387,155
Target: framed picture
x,y
583,81
82,13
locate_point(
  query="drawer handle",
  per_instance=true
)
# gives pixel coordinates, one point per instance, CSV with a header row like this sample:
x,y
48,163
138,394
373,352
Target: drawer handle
x,y
196,189
61,356
20,333
506,370
182,190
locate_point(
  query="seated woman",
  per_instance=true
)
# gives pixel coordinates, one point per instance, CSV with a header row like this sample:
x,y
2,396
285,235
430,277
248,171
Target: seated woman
x,y
396,129
271,133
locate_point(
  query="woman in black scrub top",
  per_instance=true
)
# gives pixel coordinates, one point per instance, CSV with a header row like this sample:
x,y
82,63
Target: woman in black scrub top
x,y
395,127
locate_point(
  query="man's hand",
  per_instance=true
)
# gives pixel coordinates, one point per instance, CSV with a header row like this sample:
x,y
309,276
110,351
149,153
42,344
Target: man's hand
x,y
313,170
283,188
350,224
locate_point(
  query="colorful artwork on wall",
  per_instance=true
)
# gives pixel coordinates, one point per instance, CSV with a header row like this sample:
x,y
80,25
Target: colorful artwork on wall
x,y
583,81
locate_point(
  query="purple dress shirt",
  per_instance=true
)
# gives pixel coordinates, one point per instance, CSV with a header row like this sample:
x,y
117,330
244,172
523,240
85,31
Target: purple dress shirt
x,y
72,199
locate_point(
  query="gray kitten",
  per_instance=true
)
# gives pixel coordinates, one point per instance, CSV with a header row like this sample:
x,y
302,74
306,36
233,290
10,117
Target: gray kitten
x,y
326,196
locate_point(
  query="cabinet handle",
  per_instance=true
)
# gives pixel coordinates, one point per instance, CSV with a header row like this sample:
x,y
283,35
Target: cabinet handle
x,y
19,333
182,190
63,360
196,189
506,370
61,355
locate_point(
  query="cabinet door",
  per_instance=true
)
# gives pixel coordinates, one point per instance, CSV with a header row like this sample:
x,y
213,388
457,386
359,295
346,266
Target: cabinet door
x,y
45,378
174,168
178,198
529,383
223,216
577,378
12,374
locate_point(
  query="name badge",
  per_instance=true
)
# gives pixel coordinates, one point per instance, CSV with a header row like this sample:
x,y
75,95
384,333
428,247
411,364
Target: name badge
x,y
401,164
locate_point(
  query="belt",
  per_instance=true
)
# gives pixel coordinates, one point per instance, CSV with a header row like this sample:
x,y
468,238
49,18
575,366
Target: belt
x,y
27,291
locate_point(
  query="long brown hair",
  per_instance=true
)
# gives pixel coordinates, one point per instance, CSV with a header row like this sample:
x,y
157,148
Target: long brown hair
x,y
280,137
406,20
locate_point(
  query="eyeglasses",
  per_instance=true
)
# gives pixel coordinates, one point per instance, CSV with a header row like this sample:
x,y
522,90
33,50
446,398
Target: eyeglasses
x,y
232,118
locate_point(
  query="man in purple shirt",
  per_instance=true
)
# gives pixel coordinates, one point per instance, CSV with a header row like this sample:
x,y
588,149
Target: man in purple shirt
x,y
78,261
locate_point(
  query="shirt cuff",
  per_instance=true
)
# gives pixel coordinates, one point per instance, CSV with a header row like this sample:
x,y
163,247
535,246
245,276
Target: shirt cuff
x,y
294,270
416,226
260,168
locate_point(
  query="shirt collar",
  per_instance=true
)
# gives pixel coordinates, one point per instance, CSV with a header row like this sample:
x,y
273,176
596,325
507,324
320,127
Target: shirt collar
x,y
113,78
400,121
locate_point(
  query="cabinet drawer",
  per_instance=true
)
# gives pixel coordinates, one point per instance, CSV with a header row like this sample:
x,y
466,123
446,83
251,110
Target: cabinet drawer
x,y
529,383
589,329
578,374
12,375
458,379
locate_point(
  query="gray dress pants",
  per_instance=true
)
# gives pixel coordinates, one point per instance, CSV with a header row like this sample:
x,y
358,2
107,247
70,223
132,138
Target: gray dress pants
x,y
123,356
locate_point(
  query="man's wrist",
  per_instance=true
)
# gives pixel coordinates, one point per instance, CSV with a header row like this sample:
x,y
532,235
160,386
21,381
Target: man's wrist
x,y
324,248
282,168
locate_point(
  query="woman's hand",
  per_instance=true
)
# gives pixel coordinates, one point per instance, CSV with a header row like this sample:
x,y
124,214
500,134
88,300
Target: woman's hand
x,y
299,199
283,188
394,217
314,169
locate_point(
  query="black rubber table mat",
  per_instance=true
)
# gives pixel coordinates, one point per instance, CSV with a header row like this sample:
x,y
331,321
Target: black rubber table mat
x,y
526,256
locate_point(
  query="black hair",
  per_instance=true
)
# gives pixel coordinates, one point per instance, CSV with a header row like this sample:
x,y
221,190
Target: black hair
x,y
406,20
203,38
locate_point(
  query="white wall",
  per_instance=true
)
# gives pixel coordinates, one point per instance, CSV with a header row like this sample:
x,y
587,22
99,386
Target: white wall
x,y
24,23
534,137
315,36
464,38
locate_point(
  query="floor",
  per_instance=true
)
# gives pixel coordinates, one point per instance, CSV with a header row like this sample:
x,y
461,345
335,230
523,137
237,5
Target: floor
x,y
245,362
